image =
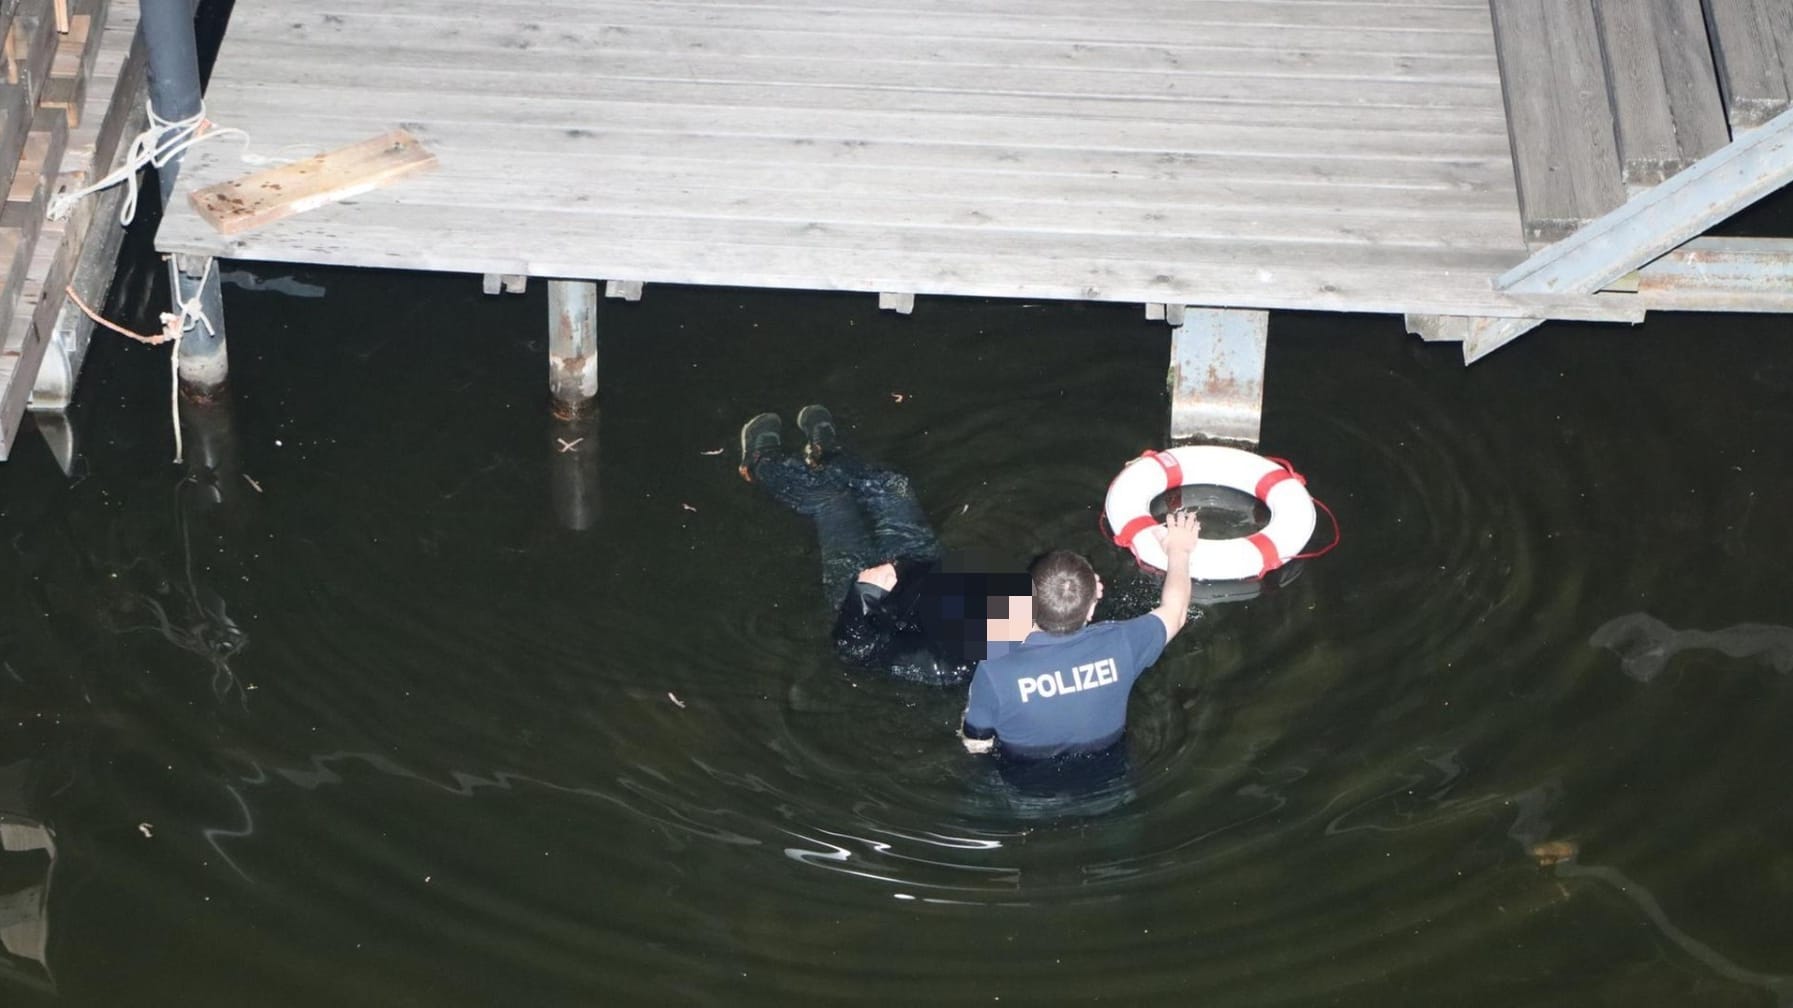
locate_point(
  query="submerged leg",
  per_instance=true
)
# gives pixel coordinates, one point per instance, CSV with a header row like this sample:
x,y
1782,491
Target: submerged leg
x,y
826,498
900,528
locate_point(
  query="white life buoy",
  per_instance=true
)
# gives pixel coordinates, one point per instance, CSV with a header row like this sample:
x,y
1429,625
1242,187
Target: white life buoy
x,y
1128,509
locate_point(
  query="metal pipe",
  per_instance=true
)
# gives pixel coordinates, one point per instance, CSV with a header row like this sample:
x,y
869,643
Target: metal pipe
x,y
174,94
173,50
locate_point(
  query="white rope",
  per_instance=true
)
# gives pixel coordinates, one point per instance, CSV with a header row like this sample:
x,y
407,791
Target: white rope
x,y
174,326
154,147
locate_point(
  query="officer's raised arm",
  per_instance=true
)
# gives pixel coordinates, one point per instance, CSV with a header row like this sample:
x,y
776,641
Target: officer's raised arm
x,y
1181,532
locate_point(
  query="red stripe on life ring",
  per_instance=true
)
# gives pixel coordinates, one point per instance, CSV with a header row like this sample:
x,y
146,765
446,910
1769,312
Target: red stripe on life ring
x,y
1173,470
1267,550
1124,538
1270,480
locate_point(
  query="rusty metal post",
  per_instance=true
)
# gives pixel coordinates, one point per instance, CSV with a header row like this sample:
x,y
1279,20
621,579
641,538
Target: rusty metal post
x,y
1217,375
572,345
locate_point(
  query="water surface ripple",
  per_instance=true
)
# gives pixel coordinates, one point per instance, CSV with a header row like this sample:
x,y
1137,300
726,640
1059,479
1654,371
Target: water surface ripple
x,y
353,718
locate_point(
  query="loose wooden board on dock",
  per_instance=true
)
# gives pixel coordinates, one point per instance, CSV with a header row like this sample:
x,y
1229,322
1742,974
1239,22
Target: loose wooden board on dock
x,y
254,200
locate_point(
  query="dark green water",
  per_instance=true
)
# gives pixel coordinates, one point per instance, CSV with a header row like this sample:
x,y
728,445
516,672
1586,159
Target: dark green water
x,y
381,729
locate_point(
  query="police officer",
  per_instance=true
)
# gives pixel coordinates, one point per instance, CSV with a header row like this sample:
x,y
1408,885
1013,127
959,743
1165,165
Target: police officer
x,y
1063,690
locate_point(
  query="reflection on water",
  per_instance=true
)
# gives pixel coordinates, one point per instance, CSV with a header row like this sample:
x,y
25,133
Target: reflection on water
x,y
1645,644
27,866
379,700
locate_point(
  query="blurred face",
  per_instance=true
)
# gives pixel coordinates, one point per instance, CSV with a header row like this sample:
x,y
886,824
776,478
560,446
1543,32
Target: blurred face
x,y
976,607
1010,618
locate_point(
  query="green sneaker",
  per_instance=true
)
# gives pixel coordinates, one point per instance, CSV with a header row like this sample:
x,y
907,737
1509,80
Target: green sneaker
x,y
822,440
760,436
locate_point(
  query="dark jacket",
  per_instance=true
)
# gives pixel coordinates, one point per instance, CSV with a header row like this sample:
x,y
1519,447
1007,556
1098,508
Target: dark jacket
x,y
919,631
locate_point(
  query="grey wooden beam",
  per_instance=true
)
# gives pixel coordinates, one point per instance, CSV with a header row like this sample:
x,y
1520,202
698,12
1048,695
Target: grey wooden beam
x,y
1752,40
1559,117
1667,113
626,290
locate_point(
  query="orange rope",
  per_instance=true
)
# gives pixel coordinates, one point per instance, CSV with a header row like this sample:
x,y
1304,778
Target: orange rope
x,y
168,334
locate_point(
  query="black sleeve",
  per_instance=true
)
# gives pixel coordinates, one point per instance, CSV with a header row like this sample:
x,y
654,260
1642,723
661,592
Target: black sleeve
x,y
869,635
859,636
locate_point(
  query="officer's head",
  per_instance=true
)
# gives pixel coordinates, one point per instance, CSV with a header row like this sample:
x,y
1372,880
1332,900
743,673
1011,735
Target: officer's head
x,y
1065,590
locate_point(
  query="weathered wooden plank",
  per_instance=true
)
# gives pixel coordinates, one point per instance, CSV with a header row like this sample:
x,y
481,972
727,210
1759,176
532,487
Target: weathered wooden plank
x,y
1159,198
1228,49
479,223
1419,28
906,86
22,342
75,252
1058,67
1559,114
88,250
34,33
561,130
824,124
1666,108
266,196
1358,232
991,198
124,113
871,260
1257,12
823,114
66,87
1693,98
1747,45
28,195
21,350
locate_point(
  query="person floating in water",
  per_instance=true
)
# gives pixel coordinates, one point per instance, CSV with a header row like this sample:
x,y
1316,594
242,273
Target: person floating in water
x,y
906,607
1063,690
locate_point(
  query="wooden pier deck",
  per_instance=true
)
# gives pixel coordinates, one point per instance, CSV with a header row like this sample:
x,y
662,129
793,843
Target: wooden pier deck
x,y
1348,155
1479,166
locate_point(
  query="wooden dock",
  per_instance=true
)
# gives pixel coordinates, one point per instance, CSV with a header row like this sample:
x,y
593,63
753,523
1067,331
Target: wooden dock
x,y
1209,155
1348,156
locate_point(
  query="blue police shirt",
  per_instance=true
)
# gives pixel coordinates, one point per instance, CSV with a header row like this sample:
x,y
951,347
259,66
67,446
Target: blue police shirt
x,y
1062,693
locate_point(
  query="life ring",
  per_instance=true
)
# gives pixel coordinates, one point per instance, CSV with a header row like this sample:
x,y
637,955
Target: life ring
x,y
1128,509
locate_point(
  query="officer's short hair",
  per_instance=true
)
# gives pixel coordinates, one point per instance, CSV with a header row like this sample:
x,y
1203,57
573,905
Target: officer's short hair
x,y
1064,585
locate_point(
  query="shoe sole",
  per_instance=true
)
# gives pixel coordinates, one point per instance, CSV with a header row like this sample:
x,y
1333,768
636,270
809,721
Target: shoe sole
x,y
806,416
749,426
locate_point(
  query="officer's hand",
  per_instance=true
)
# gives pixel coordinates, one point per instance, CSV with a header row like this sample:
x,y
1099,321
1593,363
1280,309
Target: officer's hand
x,y
1181,531
883,575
